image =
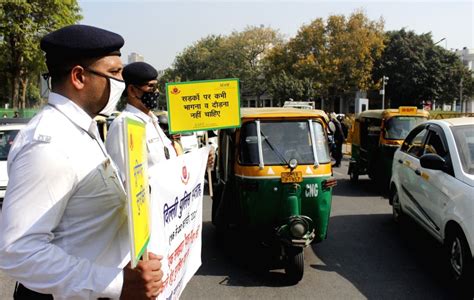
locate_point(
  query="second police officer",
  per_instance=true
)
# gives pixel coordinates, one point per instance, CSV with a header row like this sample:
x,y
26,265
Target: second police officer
x,y
142,99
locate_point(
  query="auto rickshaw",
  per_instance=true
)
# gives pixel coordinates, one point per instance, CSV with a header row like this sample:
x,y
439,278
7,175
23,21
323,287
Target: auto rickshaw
x,y
274,181
375,137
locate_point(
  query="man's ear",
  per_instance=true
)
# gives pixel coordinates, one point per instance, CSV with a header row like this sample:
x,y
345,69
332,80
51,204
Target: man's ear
x,y
132,91
77,77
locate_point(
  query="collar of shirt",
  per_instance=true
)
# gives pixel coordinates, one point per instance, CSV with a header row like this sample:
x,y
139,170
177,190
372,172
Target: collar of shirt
x,y
147,118
74,113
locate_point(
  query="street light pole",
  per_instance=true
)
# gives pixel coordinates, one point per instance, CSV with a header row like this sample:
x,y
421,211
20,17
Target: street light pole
x,y
384,83
460,95
443,39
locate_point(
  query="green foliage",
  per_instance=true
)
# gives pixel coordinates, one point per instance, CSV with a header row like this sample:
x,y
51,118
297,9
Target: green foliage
x,y
33,96
238,55
201,60
419,70
22,24
335,57
327,59
285,86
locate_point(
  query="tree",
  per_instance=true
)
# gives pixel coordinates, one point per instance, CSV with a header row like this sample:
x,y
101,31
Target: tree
x,y
285,86
22,25
238,55
199,61
254,44
336,56
419,70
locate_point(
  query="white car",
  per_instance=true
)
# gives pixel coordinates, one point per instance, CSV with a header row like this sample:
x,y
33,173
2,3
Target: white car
x,y
8,133
433,183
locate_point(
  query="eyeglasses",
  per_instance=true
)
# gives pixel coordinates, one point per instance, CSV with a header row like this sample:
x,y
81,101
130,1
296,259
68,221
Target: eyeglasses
x,y
101,74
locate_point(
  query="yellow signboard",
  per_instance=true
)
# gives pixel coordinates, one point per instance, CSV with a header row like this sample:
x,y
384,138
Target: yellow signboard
x,y
203,105
137,187
408,110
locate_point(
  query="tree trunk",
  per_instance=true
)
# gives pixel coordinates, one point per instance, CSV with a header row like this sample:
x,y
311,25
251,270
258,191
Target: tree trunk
x,y
24,86
14,91
14,70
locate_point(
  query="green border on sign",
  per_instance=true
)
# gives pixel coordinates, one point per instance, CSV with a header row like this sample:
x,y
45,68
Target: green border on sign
x,y
198,81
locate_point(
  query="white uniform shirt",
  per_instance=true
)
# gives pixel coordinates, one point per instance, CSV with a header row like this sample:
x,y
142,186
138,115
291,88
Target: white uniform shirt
x,y
156,140
64,225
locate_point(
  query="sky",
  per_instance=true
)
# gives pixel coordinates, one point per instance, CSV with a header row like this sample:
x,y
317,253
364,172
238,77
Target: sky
x,y
160,30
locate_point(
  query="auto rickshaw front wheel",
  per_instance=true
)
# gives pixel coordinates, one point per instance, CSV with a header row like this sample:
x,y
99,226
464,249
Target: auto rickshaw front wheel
x,y
294,267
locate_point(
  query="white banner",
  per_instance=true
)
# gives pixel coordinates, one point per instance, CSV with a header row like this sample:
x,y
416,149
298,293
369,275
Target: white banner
x,y
177,188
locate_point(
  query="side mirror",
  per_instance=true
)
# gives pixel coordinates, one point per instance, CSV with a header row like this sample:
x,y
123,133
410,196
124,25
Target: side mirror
x,y
432,161
332,126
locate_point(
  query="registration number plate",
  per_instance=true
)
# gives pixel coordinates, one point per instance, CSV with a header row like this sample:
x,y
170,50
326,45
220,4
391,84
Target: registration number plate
x,y
291,177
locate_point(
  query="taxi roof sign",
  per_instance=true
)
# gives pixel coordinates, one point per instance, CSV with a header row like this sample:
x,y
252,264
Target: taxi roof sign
x,y
408,110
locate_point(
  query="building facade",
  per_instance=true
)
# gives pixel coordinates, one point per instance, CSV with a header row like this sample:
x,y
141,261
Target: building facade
x,y
467,57
135,57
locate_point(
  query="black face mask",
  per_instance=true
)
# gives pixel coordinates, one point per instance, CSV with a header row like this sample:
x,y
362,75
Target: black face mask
x,y
150,100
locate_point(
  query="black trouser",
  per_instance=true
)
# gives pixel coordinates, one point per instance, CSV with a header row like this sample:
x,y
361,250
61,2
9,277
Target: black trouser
x,y
338,153
23,293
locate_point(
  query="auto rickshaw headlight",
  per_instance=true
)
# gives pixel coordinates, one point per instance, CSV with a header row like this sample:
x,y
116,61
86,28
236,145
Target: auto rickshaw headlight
x,y
298,228
293,163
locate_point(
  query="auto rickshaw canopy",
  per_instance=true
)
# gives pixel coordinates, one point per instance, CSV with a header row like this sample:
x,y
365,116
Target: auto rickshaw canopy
x,y
393,112
281,112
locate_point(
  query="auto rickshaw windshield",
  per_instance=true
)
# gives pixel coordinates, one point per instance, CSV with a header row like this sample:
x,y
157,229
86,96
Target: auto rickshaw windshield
x,y
283,141
397,128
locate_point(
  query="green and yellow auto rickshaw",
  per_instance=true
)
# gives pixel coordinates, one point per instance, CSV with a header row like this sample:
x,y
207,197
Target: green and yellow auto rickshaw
x,y
274,181
375,137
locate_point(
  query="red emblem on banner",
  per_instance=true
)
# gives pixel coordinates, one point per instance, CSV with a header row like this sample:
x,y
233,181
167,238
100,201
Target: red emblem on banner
x,y
175,91
184,175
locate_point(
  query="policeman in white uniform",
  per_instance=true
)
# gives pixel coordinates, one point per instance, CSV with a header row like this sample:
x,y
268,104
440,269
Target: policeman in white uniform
x,y
63,230
142,98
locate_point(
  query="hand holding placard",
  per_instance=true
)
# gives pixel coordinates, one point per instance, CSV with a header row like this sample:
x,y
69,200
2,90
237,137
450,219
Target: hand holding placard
x,y
144,281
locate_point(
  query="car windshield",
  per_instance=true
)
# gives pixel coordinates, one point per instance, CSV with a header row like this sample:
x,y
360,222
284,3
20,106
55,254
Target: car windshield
x,y
6,141
397,128
464,137
283,141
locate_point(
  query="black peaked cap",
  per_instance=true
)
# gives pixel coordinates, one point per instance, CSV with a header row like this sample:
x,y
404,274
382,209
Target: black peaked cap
x,y
80,41
138,73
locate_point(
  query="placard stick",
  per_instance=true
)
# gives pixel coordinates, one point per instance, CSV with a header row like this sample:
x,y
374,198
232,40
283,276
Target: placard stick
x,y
209,176
145,256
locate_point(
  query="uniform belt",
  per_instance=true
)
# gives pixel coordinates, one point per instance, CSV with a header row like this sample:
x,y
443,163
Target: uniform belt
x,y
23,293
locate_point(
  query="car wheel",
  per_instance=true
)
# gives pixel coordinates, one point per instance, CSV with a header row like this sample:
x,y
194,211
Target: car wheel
x,y
397,213
459,258
295,264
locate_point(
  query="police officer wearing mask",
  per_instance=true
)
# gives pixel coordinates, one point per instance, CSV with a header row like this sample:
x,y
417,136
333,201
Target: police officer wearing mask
x,y
63,232
142,98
